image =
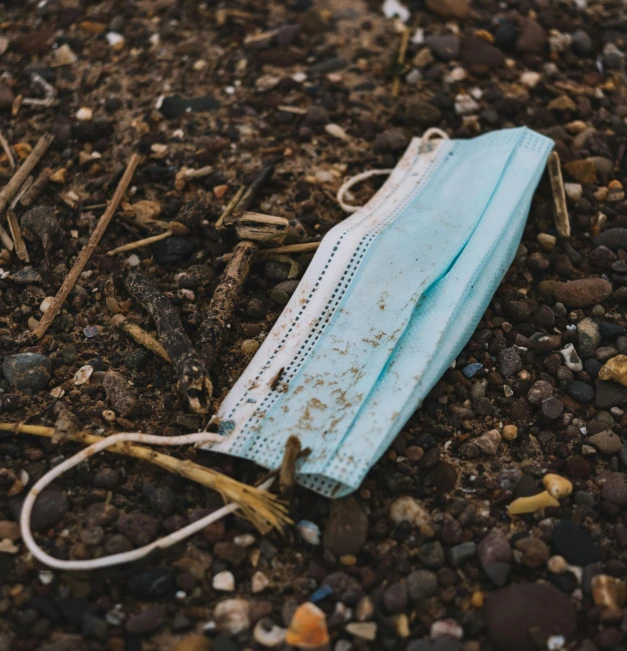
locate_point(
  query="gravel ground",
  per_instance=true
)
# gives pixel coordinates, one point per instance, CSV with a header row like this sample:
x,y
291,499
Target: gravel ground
x,y
425,556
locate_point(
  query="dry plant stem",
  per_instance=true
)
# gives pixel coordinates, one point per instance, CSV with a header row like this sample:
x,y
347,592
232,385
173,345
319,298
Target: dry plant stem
x,y
140,336
400,60
254,188
264,254
87,250
20,245
23,190
560,210
35,189
17,180
139,244
230,207
261,507
288,466
193,379
7,150
265,229
222,306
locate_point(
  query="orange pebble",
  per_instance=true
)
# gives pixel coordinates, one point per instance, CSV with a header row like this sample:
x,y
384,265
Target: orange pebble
x,y
308,629
220,190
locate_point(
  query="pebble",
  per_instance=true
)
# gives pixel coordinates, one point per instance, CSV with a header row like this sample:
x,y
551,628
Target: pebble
x,y
581,43
224,581
583,171
391,141
232,616
571,542
421,114
477,52
268,634
445,47
524,614
140,528
571,359
122,396
173,250
395,597
448,628
152,584
465,105
495,556
148,620
580,391
588,334
308,627
583,293
363,630
615,489
309,532
558,487
510,363
193,643
612,238
615,369
535,552
431,555
606,442
461,553
573,191
532,37
539,392
449,8
409,509
506,35
346,529
9,530
27,371
50,508
488,442
421,584
259,582
173,107
84,114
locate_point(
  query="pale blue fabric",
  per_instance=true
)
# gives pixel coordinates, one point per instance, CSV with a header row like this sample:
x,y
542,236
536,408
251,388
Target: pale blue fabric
x,y
423,281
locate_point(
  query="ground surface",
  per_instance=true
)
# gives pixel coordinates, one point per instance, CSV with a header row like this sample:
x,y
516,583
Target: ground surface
x,y
486,580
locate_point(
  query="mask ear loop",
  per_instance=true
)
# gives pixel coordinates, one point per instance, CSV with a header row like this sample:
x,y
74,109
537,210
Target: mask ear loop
x,y
358,178
135,554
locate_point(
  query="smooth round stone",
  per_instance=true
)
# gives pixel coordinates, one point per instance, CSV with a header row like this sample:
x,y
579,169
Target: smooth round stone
x,y
580,391
27,371
573,544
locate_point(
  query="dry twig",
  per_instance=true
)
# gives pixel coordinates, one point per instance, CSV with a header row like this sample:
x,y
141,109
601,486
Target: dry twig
x,y
20,245
33,192
87,250
7,150
230,207
193,379
140,336
288,466
400,61
560,210
264,254
222,306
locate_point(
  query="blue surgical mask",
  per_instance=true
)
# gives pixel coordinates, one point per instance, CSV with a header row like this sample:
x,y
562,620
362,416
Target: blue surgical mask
x,y
390,299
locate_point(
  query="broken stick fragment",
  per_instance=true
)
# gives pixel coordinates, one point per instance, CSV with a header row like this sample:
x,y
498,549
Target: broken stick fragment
x,y
140,336
265,229
288,466
35,189
560,210
87,250
224,301
193,379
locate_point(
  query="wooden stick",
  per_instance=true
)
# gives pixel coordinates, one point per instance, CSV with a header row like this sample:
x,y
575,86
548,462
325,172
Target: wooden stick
x,y
20,246
23,190
230,207
264,254
400,61
139,244
560,210
7,150
260,507
222,305
140,336
16,182
87,250
40,183
288,466
193,378
264,229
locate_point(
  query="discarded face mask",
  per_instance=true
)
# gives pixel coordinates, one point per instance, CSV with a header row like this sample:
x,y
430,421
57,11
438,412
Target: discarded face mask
x,y
389,300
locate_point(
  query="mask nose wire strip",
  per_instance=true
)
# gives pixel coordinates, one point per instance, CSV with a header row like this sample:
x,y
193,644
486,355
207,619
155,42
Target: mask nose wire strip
x,y
135,554
358,178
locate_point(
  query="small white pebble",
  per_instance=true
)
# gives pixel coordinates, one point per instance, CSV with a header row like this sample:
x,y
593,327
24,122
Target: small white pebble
x,y
46,577
83,374
84,114
530,78
555,642
115,40
45,304
309,532
458,74
108,415
244,540
180,594
224,581
448,627
336,131
465,104
299,77
133,260
57,392
259,582
200,64
155,39
573,191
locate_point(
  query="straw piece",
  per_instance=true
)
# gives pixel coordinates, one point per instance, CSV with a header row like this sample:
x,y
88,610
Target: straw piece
x,y
139,244
140,336
7,150
85,254
560,210
20,245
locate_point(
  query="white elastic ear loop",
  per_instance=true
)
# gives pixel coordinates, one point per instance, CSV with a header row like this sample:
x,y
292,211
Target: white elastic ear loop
x,y
358,178
135,554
